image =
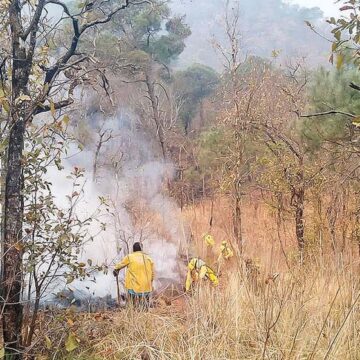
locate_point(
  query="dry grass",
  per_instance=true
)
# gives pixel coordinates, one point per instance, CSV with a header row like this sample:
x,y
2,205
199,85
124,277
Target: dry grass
x,y
308,312
312,314
262,241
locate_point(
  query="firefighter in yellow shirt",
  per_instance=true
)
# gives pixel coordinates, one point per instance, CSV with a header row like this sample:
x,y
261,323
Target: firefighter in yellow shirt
x,y
225,254
139,275
198,270
225,251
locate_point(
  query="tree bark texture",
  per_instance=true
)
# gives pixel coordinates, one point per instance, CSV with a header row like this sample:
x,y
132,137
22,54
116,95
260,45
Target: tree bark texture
x,y
12,259
155,110
11,281
298,202
237,216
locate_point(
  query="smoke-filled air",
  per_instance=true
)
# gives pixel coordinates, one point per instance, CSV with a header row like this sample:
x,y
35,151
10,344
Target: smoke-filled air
x,y
179,179
138,208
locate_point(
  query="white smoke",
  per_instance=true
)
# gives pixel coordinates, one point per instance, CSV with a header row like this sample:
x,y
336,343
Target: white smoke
x,y
140,179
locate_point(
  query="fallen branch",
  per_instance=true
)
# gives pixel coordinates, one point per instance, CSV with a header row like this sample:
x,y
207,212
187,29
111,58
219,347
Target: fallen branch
x,y
330,112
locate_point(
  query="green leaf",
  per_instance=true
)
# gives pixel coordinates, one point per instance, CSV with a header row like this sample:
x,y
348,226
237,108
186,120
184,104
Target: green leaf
x,y
2,353
71,342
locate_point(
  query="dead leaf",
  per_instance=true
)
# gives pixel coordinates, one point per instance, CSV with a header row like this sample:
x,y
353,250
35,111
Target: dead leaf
x,y
52,108
18,246
48,343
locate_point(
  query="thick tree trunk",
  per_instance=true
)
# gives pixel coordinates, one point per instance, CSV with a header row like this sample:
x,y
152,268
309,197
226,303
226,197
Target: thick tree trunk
x,y
12,259
155,110
11,277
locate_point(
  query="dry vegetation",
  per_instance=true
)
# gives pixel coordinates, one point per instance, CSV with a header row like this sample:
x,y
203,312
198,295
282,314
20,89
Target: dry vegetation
x,y
263,154
305,312
313,314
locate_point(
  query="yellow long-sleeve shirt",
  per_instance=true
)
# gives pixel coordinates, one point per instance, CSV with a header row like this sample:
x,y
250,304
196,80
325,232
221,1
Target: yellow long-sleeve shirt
x,y
197,269
139,273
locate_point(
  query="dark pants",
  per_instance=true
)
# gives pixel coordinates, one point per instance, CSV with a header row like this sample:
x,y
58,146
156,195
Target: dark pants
x,y
141,302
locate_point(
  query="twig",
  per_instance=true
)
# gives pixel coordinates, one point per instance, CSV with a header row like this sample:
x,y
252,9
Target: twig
x,y
322,328
341,327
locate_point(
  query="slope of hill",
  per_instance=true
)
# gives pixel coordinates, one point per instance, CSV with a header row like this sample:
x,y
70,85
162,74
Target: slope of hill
x,y
265,25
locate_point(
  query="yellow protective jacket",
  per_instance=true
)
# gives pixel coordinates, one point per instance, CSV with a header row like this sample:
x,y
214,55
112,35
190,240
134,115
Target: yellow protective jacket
x,y
197,269
209,240
225,251
140,272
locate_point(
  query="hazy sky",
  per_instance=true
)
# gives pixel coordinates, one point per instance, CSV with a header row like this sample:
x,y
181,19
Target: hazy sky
x,y
327,6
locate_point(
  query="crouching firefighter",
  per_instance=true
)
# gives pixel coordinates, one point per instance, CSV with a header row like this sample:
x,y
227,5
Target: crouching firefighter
x,y
198,270
139,275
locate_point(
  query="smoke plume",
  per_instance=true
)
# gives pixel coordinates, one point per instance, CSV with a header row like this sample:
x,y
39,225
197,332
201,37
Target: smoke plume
x,y
133,179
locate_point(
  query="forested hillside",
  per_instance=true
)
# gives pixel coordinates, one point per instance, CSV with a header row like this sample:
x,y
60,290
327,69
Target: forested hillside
x,y
265,26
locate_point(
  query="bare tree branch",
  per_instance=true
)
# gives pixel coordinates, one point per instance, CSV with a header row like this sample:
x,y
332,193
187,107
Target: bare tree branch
x,y
330,112
354,86
35,20
57,106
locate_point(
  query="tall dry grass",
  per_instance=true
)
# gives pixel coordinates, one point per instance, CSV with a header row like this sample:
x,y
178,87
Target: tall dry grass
x,y
309,313
306,312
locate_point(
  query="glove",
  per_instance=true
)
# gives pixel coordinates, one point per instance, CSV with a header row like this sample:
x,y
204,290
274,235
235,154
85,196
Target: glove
x,y
116,273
